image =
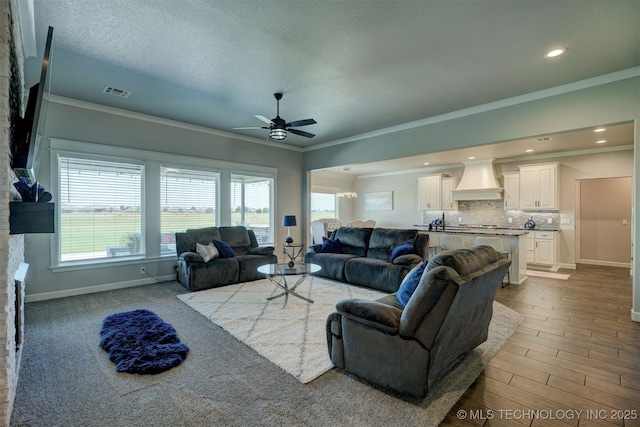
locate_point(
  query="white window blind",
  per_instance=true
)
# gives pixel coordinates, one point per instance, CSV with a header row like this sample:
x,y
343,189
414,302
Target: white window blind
x,y
100,209
188,199
251,198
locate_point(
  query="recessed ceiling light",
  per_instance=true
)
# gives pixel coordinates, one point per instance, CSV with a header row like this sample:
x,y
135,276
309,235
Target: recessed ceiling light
x,y
530,150
425,163
471,157
555,52
600,130
602,141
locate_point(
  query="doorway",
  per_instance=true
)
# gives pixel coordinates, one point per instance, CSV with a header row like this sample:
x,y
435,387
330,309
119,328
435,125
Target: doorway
x,y
604,221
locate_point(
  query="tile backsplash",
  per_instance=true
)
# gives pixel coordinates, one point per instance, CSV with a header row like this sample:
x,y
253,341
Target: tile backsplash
x,y
491,212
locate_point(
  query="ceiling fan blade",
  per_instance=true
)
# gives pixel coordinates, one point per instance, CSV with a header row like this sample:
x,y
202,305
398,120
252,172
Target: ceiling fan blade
x,y
263,118
302,123
301,133
252,127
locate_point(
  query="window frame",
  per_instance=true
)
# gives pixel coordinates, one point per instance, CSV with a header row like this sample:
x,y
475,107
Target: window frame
x,y
151,193
316,189
194,169
272,207
98,158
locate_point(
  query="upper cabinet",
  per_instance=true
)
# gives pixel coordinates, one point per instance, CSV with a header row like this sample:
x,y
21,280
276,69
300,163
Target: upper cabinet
x,y
448,186
435,192
539,187
511,186
430,192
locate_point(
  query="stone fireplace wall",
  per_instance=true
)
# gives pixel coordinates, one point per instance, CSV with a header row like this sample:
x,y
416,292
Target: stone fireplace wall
x,y
11,246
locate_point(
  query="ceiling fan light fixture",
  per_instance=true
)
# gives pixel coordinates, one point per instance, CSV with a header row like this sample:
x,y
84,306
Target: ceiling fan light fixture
x,y
278,127
277,134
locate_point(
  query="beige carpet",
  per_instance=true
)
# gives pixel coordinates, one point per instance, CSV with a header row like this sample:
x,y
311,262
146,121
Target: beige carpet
x,y
222,382
547,274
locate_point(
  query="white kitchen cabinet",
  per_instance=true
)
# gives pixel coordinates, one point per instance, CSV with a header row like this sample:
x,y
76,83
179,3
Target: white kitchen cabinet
x,y
448,186
435,192
542,247
430,192
539,187
511,186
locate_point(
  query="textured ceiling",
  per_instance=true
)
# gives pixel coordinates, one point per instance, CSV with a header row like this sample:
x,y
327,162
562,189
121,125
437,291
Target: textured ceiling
x,y
354,66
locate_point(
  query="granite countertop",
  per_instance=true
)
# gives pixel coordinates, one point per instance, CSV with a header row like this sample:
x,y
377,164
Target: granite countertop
x,y
489,231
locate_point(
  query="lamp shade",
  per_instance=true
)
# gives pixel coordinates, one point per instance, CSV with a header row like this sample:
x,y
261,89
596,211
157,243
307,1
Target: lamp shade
x,y
288,220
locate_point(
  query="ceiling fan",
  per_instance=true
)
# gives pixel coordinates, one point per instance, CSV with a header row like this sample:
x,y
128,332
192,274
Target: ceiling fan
x,y
278,127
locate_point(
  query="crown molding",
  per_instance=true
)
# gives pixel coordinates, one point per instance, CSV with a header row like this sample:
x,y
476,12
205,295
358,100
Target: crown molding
x,y
547,156
162,121
508,102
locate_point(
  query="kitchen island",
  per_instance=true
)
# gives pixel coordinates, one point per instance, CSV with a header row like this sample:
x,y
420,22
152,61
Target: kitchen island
x,y
514,241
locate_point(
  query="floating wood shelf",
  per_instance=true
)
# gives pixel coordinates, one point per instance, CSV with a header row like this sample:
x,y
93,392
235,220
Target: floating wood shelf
x,y
31,217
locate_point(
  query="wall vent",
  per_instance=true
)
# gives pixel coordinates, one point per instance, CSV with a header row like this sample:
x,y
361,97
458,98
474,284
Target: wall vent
x,y
116,92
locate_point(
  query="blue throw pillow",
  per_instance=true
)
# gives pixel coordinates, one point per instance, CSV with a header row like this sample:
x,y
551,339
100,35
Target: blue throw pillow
x,y
331,246
224,249
410,283
402,249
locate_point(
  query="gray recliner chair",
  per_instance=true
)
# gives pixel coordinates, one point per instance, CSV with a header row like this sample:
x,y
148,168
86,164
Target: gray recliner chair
x,y
409,349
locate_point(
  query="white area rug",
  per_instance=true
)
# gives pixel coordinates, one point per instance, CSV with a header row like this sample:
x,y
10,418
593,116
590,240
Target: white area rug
x,y
547,274
294,337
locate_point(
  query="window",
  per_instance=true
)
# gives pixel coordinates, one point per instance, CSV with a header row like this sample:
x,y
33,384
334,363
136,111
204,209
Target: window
x,y
101,213
251,205
123,206
323,205
188,199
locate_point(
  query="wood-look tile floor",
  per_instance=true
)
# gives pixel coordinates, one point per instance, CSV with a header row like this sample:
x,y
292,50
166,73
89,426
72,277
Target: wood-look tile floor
x,y
573,361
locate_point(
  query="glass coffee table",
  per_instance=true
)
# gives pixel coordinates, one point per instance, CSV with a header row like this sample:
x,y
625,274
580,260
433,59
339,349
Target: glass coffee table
x,y
277,274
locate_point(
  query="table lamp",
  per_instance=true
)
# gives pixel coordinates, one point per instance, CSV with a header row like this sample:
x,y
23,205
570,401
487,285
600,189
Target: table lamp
x,y
289,221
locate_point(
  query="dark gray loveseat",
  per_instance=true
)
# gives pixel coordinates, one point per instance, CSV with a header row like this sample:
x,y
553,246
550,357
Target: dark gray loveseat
x,y
409,349
195,274
364,257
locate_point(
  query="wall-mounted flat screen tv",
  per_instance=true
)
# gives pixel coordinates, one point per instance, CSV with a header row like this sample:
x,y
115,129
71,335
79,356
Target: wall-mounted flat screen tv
x,y
24,152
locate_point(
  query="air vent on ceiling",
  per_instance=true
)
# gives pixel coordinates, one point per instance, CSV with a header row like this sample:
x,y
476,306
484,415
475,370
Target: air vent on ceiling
x,y
544,138
116,92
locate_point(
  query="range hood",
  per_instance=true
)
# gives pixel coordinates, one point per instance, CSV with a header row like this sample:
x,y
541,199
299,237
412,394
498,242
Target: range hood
x,y
478,182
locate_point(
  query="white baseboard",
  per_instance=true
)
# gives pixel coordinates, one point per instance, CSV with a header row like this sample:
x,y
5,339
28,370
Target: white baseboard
x,y
605,263
635,316
98,288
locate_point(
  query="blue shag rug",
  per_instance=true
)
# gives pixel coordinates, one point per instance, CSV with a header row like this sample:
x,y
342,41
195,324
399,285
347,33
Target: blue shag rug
x,y
140,342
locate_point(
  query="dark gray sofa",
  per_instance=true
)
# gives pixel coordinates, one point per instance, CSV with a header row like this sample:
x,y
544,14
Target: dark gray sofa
x,y
365,254
409,349
195,274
